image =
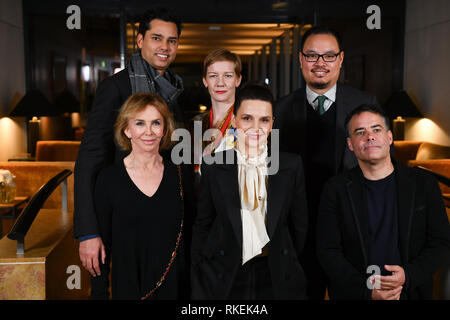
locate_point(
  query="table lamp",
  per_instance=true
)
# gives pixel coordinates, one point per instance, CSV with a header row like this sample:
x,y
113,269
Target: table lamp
x,y
400,106
32,106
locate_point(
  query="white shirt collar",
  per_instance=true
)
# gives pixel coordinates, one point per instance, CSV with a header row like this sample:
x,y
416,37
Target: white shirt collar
x,y
330,94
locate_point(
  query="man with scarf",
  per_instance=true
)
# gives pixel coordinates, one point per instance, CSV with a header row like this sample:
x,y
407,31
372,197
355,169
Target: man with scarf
x,y
147,71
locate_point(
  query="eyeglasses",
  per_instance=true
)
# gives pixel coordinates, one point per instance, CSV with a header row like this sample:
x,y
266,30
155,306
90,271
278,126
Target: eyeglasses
x,y
327,57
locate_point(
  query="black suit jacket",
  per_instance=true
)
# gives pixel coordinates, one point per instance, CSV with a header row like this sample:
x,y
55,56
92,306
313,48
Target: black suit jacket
x,y
290,118
343,233
97,149
217,230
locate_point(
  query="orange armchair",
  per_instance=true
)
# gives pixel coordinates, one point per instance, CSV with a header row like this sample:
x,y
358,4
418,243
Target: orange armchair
x,y
56,150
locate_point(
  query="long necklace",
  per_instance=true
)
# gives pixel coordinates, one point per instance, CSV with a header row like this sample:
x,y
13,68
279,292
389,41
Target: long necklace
x,y
177,244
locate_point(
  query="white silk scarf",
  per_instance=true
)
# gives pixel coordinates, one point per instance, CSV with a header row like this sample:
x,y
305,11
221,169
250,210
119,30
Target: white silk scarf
x,y
252,175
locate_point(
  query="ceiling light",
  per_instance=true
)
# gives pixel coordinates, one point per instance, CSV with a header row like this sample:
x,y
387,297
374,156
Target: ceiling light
x,y
279,5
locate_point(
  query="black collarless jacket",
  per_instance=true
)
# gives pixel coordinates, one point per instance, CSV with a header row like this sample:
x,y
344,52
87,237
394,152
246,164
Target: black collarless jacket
x,y
291,115
343,233
217,230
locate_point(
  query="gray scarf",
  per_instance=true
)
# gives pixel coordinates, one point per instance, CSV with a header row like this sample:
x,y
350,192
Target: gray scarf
x,y
145,78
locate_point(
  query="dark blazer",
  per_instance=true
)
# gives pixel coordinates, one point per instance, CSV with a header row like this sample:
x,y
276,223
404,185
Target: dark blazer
x,y
217,230
290,118
97,149
343,233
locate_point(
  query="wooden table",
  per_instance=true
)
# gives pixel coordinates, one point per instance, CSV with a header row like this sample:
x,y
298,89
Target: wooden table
x,y
11,210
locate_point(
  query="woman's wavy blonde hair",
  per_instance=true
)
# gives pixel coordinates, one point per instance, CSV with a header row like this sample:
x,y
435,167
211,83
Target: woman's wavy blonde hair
x,y
133,105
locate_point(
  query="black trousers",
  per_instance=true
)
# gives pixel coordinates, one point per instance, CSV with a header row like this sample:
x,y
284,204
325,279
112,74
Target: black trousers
x,y
317,280
253,281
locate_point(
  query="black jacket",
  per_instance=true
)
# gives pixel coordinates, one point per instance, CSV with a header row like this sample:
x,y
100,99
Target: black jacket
x,y
97,149
217,230
290,118
343,233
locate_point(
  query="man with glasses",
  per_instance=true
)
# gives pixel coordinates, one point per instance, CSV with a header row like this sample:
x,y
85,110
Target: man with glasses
x,y
311,123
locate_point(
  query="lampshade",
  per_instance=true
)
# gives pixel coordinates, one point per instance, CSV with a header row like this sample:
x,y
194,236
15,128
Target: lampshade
x,y
400,104
66,102
33,103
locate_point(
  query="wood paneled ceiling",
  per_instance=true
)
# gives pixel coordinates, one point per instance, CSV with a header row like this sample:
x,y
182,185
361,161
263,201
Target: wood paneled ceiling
x,y
198,39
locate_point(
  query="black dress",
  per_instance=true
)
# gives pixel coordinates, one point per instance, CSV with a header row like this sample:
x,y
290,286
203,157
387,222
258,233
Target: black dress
x,y
140,233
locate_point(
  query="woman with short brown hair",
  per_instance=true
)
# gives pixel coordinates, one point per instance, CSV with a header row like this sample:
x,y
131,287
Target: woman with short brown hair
x,y
249,232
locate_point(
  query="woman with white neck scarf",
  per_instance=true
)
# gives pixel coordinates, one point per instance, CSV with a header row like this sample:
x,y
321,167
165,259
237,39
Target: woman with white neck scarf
x,y
251,223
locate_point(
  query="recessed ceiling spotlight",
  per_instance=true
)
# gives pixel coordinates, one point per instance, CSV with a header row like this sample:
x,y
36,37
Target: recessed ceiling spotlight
x,y
279,5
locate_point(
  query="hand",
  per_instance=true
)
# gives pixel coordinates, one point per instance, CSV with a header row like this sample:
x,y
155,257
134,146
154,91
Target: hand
x,y
89,253
393,294
393,281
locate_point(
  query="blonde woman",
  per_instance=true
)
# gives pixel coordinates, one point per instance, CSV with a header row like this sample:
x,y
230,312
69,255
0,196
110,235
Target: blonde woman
x,y
142,208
